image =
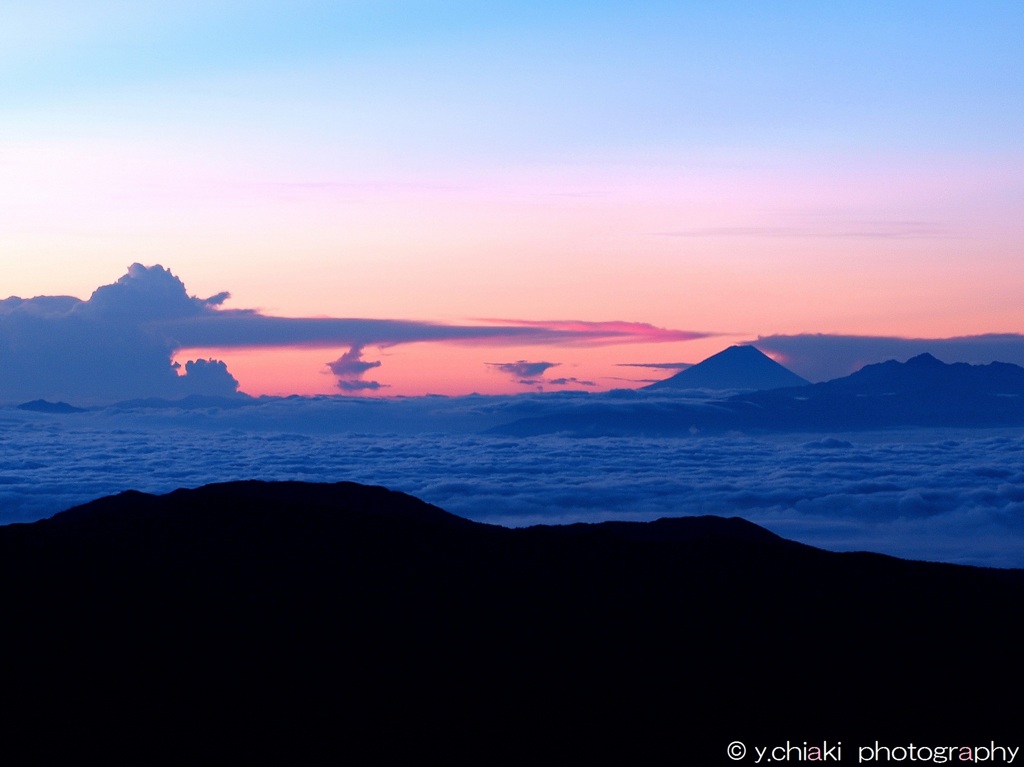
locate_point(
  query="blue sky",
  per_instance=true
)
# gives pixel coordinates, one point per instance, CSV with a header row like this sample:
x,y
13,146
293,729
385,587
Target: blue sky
x,y
793,75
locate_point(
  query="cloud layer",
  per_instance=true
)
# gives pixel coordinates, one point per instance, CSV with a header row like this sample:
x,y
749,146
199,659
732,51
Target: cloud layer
x,y
950,495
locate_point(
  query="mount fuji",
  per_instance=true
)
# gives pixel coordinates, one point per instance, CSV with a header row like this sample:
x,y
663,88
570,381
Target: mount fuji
x,y
738,367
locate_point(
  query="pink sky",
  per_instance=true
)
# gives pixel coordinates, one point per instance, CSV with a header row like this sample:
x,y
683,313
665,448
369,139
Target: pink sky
x,y
866,251
740,171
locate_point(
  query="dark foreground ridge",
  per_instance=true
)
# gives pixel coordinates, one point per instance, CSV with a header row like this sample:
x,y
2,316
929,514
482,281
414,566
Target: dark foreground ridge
x,y
306,623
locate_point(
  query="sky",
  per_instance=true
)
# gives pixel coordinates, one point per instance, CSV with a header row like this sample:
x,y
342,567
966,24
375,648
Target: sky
x,y
500,198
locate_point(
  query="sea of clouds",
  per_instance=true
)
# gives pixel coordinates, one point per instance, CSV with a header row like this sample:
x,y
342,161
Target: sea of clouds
x,y
934,494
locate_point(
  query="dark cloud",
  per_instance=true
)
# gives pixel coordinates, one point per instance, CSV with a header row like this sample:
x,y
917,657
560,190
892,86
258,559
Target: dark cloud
x,y
657,365
351,385
119,343
245,328
349,369
581,333
526,373
569,381
351,363
522,368
106,348
819,357
209,377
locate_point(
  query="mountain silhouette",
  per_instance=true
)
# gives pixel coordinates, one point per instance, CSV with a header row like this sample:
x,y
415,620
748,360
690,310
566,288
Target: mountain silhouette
x,y
307,623
738,367
45,406
922,391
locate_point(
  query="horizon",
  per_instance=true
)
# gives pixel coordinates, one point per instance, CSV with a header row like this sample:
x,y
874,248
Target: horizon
x,y
158,340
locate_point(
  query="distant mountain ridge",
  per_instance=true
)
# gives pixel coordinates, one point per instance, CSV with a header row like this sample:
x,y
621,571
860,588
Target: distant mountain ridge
x,y
738,367
45,406
925,373
923,391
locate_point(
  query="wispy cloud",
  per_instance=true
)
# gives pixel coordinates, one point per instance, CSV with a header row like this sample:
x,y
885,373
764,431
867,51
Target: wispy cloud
x,y
570,381
523,372
581,333
355,385
656,365
881,229
522,368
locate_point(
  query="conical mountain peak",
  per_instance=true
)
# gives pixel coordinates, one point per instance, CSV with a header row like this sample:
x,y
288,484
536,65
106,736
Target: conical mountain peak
x,y
738,367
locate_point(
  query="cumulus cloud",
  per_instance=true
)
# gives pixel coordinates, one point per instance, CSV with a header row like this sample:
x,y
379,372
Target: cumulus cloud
x,y
209,377
351,363
119,343
350,367
145,294
108,347
522,368
821,357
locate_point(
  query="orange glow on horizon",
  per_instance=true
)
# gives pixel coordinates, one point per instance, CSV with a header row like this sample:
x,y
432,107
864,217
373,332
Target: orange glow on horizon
x,y
451,369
